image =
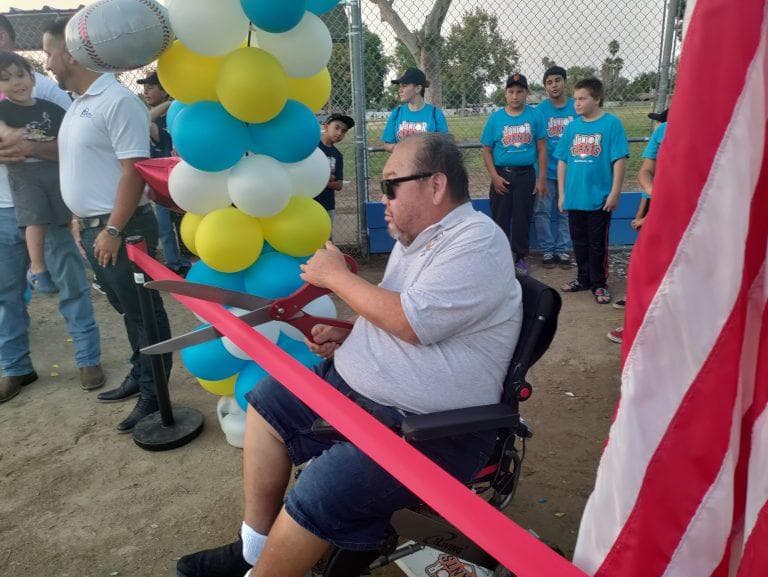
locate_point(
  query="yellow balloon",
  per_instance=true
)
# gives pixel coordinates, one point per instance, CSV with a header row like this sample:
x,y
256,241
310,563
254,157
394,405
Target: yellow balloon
x,y
187,75
300,229
252,85
188,230
229,240
223,388
313,91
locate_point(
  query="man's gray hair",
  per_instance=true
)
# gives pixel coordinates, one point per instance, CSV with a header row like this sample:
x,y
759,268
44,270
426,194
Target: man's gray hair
x,y
437,152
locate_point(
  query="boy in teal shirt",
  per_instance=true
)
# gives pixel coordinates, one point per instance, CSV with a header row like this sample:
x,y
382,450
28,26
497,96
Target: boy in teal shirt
x,y
514,147
556,111
591,163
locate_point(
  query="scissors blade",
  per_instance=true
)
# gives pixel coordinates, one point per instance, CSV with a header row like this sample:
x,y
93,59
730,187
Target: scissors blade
x,y
214,294
203,335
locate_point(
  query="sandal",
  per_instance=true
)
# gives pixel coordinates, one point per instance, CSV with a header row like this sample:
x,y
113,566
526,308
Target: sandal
x,y
602,296
573,287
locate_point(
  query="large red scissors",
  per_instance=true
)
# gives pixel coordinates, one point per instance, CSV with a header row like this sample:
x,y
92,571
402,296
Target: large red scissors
x,y
287,309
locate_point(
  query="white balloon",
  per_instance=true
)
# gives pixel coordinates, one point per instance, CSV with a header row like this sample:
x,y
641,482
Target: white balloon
x,y
259,185
231,420
208,29
309,177
304,50
198,191
270,330
320,307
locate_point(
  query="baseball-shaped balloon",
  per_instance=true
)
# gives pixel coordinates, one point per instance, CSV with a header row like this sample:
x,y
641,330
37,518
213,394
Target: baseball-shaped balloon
x,y
115,35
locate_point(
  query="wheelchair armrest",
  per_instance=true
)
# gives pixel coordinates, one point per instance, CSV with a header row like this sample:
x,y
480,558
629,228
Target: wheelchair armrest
x,y
459,422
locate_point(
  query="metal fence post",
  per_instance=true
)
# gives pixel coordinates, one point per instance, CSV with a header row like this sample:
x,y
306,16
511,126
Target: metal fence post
x,y
361,130
666,57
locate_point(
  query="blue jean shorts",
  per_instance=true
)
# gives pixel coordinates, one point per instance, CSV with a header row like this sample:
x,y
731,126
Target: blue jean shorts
x,y
343,496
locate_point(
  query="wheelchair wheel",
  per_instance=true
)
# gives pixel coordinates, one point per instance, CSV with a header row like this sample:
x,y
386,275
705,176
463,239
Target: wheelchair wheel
x,y
501,571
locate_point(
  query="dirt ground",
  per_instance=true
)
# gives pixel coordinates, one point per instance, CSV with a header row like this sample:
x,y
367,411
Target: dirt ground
x,y
79,500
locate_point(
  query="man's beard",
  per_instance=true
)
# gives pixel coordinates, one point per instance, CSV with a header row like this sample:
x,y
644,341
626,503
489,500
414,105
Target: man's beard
x,y
398,235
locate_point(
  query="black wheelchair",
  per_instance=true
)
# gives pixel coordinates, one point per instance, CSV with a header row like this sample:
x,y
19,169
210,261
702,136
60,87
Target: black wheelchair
x,y
420,526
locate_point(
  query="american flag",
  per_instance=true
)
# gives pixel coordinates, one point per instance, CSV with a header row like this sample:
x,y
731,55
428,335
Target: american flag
x,y
682,486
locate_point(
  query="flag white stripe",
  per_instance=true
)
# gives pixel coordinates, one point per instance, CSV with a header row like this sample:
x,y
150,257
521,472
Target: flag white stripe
x,y
701,548
667,354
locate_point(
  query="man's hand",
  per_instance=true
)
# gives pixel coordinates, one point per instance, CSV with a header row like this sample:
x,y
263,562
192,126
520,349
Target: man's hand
x,y
541,187
326,340
74,227
105,248
499,183
561,203
611,202
637,223
12,145
325,267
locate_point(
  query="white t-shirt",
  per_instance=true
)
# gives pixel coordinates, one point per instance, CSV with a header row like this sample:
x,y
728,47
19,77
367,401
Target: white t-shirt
x,y
46,89
459,293
105,125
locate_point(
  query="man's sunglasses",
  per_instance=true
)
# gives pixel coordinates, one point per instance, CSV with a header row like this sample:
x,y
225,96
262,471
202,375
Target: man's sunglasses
x,y
389,185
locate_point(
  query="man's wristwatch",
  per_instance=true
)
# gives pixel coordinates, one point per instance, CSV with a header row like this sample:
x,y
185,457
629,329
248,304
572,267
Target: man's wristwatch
x,y
113,231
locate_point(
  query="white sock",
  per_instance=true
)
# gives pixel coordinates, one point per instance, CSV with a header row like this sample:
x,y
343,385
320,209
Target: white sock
x,y
253,544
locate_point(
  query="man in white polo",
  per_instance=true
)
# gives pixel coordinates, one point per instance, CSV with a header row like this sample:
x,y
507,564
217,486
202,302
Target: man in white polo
x,y
105,131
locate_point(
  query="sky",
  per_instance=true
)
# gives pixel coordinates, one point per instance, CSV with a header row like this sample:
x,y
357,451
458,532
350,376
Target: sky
x,y
571,32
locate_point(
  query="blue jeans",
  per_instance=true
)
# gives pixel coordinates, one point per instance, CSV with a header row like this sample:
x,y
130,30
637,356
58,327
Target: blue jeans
x,y
68,273
553,237
343,496
117,281
169,240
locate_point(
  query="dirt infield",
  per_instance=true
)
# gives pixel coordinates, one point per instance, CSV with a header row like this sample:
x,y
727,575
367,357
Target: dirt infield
x,y
79,500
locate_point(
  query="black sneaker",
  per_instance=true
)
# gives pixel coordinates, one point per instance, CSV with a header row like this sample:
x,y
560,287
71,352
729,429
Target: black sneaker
x,y
564,260
143,408
127,389
548,260
224,561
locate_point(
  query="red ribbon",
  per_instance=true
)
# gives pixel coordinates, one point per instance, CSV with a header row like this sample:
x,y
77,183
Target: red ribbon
x,y
500,537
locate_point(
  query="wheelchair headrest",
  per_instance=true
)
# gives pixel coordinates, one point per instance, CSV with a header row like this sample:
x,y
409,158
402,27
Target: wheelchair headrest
x,y
539,302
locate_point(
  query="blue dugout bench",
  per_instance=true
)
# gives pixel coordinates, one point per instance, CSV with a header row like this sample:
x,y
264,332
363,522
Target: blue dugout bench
x,y
621,232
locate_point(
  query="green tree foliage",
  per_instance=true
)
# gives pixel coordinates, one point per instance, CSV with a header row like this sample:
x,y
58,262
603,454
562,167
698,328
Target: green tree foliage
x,y
611,72
475,56
375,64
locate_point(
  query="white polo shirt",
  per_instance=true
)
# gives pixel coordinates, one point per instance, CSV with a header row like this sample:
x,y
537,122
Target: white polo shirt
x,y
105,125
46,89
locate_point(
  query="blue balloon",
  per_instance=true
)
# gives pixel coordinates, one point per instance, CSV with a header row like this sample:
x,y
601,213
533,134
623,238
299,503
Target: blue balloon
x,y
248,378
27,295
274,16
201,273
274,275
267,248
321,6
208,137
211,361
291,136
299,351
173,111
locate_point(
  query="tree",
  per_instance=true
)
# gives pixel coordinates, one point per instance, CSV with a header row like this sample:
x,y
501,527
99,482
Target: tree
x,y
375,63
475,55
611,70
576,73
547,63
643,83
424,44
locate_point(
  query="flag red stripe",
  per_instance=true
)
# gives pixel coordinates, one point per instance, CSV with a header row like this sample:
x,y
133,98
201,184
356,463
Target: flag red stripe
x,y
754,560
695,441
712,78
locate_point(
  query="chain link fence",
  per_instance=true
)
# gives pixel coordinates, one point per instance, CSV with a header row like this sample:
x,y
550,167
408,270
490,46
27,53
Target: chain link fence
x,y
467,49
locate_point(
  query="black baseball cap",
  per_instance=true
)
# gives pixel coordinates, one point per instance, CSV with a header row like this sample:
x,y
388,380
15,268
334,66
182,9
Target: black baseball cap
x,y
659,116
412,76
150,79
341,118
517,80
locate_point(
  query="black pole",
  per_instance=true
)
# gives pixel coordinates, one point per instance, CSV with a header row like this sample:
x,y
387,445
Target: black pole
x,y
170,427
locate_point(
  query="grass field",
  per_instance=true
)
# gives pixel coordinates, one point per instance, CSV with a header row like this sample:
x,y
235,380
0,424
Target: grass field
x,y
467,130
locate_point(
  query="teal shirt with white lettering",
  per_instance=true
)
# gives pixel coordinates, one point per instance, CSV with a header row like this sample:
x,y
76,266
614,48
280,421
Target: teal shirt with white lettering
x,y
513,138
589,149
555,119
404,122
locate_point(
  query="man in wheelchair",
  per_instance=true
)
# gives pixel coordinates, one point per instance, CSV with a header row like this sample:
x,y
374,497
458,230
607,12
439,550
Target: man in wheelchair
x,y
436,334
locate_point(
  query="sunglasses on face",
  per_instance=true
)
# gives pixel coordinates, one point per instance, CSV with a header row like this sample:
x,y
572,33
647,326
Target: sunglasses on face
x,y
389,185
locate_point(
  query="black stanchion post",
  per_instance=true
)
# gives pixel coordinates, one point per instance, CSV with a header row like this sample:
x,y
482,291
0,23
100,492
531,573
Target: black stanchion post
x,y
170,427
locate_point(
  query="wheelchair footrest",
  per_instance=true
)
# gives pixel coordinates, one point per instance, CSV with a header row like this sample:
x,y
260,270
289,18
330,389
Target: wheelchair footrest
x,y
459,422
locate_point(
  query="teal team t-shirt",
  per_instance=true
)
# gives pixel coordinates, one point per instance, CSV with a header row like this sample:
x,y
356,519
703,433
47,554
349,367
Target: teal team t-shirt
x,y
404,122
555,120
652,148
513,138
589,150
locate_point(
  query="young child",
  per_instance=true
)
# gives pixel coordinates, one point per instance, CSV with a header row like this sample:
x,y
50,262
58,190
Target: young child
x,y
335,129
590,171
514,148
34,182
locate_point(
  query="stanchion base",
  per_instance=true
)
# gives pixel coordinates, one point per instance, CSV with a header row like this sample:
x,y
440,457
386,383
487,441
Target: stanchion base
x,y
151,435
